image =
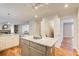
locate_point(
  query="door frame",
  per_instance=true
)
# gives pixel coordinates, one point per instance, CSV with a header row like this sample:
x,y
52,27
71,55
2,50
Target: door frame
x,y
65,20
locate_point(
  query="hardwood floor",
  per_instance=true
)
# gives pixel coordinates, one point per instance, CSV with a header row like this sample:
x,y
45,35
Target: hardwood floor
x,y
15,51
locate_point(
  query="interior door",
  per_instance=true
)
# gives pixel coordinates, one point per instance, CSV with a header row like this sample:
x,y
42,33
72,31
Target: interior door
x,y
68,31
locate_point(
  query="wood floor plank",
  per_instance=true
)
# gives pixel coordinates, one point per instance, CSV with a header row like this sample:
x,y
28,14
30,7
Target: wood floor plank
x,y
15,51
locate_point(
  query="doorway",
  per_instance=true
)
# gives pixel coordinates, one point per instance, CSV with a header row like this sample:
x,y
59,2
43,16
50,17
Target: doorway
x,y
67,29
16,29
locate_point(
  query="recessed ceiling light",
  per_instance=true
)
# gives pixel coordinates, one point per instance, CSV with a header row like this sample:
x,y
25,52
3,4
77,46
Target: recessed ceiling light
x,y
36,8
41,5
46,3
36,16
66,5
8,23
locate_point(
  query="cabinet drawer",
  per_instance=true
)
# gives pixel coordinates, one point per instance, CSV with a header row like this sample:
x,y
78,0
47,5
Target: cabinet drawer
x,y
24,41
38,46
35,52
11,41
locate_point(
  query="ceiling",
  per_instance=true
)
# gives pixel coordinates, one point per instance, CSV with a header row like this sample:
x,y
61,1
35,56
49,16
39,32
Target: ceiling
x,y
21,12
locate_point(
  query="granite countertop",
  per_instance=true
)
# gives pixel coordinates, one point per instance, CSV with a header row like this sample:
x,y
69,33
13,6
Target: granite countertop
x,y
46,41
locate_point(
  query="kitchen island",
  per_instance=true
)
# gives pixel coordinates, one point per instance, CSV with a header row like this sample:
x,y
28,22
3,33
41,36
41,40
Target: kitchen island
x,y
8,41
37,47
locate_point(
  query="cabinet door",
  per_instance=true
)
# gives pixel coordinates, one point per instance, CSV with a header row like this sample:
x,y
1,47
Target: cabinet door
x,y
24,49
2,44
12,41
34,52
25,41
8,42
38,46
15,41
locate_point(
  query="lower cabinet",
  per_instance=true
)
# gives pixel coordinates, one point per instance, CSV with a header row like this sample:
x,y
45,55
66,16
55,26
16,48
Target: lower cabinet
x,y
29,48
25,50
8,41
2,44
35,52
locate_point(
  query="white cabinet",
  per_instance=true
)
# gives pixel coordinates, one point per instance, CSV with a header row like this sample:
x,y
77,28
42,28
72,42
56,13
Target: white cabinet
x,y
24,45
35,52
25,50
38,46
2,43
8,41
29,48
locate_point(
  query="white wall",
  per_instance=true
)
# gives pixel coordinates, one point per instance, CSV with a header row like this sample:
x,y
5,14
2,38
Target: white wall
x,y
70,32
76,31
52,24
31,27
57,31
47,27
29,24
12,28
77,24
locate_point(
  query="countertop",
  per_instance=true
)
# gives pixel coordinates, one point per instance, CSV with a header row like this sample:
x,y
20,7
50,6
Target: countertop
x,y
46,41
